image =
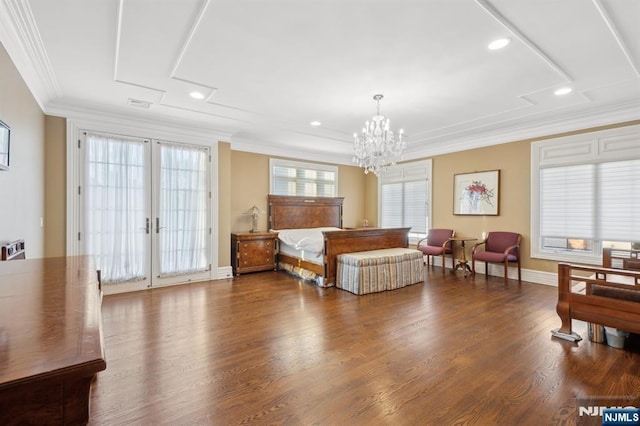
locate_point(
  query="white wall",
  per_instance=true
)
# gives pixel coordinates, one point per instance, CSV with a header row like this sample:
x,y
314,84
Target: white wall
x,y
22,186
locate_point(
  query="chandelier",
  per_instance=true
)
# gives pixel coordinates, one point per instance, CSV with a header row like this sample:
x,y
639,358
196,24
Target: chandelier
x,y
376,148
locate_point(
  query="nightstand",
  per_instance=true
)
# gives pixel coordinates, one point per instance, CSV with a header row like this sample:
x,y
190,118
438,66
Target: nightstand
x,y
252,252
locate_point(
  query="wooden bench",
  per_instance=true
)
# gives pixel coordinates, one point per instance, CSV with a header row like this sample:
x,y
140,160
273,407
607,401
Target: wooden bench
x,y
379,270
604,296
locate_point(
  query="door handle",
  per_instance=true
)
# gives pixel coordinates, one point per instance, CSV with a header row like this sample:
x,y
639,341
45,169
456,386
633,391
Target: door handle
x,y
146,228
158,227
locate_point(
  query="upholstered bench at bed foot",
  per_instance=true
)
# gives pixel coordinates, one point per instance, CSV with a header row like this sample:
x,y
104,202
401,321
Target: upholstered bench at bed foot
x,y
378,270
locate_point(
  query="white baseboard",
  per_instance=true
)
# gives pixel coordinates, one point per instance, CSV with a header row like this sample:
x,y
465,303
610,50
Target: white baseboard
x,y
529,275
224,272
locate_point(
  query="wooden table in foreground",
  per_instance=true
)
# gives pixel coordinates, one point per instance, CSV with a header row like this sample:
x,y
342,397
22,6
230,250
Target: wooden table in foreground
x,y
51,343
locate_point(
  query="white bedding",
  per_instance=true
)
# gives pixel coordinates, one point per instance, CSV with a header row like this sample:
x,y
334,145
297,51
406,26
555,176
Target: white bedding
x,y
317,258
309,240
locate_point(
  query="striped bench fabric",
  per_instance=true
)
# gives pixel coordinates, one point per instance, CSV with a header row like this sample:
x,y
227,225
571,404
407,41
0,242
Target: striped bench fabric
x,y
378,270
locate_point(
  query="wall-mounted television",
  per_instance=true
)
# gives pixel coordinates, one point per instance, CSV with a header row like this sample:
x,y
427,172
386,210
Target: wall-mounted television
x,y
5,136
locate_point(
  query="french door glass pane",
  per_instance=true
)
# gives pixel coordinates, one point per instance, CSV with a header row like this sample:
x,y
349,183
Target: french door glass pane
x,y
115,212
182,216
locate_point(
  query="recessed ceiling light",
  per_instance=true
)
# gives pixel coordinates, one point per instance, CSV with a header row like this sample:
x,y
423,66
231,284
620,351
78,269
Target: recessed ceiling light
x,y
196,95
499,43
563,91
315,123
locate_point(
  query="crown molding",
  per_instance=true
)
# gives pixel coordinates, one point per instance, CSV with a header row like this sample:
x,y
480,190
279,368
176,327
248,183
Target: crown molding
x,y
543,127
260,147
145,126
20,36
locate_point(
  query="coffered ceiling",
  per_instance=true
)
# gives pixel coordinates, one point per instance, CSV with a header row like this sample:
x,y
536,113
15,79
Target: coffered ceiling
x,y
267,68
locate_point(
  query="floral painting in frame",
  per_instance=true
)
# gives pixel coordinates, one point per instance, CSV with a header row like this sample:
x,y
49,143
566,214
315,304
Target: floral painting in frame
x,y
476,193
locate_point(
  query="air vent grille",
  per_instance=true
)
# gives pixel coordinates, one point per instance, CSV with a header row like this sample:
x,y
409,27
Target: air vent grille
x,y
138,103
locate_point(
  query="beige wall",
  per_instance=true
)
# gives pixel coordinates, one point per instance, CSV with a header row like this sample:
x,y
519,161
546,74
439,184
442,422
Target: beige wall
x,y
351,186
55,194
513,161
22,186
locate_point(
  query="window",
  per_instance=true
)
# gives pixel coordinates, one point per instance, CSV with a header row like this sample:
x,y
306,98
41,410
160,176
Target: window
x,y
585,194
304,179
404,198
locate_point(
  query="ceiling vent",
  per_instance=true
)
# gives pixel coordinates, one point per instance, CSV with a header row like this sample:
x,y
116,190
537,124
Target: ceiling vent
x,y
138,103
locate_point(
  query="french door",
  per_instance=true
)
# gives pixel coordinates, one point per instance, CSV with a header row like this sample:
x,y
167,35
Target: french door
x,y
146,217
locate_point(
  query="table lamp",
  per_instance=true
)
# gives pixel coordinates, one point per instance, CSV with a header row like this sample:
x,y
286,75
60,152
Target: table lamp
x,y
254,212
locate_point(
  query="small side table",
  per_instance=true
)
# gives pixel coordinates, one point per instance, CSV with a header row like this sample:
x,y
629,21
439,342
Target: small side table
x,y
462,263
252,252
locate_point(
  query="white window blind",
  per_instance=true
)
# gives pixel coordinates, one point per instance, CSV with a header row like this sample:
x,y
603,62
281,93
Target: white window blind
x,y
567,201
591,201
392,205
303,179
404,204
585,190
619,203
415,206
404,199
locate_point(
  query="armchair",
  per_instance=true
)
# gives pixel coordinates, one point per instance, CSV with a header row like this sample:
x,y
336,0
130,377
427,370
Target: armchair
x,y
499,247
437,243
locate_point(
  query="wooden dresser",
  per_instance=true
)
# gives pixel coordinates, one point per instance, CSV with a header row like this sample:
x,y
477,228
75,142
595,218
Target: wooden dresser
x,y
251,252
51,343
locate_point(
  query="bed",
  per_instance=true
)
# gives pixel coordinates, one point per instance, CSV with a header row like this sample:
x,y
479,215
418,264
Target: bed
x,y
323,215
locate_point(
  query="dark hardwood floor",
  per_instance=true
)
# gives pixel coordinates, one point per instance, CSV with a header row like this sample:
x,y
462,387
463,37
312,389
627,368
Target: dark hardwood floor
x,y
267,348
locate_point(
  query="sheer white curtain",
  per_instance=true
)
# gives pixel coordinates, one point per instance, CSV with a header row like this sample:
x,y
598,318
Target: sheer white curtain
x,y
182,217
116,206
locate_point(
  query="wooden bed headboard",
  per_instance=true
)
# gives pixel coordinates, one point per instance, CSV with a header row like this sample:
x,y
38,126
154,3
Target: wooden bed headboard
x,y
292,212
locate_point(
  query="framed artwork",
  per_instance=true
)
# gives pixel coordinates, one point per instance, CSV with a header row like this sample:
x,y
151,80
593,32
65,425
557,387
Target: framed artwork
x,y
476,193
5,134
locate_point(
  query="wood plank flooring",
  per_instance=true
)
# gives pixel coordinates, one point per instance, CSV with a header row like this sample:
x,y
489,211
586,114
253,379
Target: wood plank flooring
x,y
267,348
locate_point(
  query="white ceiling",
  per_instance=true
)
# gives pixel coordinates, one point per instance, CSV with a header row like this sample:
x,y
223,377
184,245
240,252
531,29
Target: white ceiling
x,y
268,68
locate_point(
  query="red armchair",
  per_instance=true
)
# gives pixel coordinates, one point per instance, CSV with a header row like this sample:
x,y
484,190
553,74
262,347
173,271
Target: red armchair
x,y
499,247
437,243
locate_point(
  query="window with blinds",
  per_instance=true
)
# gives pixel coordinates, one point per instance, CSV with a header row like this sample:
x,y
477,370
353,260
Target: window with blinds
x,y
303,179
404,198
587,195
404,204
